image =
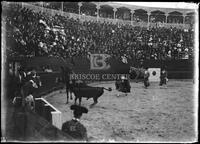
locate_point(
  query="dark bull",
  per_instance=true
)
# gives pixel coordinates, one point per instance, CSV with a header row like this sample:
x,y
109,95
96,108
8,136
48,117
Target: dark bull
x,y
88,92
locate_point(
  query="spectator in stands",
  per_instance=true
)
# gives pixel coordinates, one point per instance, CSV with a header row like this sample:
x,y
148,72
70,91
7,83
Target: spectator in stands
x,y
73,127
169,54
48,69
36,33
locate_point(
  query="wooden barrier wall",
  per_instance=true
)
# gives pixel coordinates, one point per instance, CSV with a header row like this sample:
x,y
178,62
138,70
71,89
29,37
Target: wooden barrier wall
x,y
49,112
177,69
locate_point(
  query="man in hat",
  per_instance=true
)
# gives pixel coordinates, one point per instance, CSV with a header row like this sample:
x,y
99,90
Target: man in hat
x,y
31,74
163,77
125,85
73,127
146,77
21,76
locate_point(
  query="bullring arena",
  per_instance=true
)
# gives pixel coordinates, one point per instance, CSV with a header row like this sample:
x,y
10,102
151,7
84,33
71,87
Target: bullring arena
x,y
51,47
155,114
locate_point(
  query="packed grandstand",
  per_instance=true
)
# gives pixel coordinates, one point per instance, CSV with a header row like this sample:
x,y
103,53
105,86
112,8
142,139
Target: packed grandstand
x,y
35,30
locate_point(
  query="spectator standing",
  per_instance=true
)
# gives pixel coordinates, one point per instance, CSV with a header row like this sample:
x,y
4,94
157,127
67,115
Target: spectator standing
x,y
163,76
146,77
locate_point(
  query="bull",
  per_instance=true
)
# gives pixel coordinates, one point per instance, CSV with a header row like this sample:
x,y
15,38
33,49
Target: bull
x,y
82,90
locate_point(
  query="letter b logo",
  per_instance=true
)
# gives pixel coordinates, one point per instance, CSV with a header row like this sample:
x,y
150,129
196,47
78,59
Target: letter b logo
x,y
98,62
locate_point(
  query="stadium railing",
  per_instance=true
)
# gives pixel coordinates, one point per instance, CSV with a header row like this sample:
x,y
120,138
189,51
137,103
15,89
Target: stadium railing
x,y
92,18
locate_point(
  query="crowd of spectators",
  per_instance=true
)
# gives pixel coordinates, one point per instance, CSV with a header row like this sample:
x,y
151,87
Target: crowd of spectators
x,y
41,34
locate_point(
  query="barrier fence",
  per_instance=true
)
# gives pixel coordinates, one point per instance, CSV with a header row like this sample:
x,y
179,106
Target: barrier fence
x,y
177,69
49,112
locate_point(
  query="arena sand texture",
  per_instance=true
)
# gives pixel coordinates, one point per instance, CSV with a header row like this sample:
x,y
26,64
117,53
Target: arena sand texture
x,y
144,115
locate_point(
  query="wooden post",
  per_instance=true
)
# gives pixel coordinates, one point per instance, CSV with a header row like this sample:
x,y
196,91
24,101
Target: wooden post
x,y
166,17
62,8
98,7
79,9
114,10
132,12
149,13
57,119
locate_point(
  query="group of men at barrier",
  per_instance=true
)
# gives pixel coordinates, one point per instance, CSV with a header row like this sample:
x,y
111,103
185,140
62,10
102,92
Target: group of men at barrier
x,y
27,82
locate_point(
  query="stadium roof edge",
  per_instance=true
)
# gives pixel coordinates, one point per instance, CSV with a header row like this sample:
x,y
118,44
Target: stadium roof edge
x,y
147,8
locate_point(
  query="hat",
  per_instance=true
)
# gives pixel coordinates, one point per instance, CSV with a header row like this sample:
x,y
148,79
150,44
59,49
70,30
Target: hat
x,y
32,73
78,109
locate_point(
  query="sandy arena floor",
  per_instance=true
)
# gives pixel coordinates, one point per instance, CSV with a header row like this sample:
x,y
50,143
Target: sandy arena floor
x,y
153,114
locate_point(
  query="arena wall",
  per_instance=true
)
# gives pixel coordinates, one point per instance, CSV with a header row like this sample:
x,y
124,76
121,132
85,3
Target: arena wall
x,y
177,69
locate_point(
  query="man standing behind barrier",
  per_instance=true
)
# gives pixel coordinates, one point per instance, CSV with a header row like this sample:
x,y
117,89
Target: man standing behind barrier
x,y
73,127
146,77
163,77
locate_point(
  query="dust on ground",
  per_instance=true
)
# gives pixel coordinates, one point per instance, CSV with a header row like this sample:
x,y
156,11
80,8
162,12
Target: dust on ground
x,y
155,114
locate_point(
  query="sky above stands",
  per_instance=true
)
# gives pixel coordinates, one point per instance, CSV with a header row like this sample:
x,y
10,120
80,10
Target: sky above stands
x,y
181,5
